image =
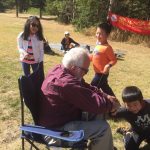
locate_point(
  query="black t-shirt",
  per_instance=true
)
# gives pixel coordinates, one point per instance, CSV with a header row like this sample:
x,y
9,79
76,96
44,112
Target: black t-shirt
x,y
139,122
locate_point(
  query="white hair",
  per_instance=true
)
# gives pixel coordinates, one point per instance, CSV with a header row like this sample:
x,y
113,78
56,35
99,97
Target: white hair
x,y
75,56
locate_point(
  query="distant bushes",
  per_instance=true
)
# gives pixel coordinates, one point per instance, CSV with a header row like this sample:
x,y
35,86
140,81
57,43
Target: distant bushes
x,y
84,14
6,4
125,36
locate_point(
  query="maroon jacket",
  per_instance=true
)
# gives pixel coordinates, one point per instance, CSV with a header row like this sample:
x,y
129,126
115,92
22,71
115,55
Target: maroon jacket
x,y
65,97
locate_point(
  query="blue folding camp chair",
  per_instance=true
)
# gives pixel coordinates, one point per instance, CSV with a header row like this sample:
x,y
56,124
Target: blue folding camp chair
x,y
30,91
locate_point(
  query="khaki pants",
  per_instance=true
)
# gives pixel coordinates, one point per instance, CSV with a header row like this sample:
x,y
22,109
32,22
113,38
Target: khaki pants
x,y
98,132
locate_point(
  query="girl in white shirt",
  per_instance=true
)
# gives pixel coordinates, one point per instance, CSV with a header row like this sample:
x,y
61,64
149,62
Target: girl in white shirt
x,y
30,45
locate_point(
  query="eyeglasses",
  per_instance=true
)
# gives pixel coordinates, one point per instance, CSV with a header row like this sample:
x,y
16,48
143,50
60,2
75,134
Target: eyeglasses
x,y
34,25
84,69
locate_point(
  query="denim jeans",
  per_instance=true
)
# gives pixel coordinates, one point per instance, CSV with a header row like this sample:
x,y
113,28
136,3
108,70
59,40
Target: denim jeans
x,y
26,68
101,81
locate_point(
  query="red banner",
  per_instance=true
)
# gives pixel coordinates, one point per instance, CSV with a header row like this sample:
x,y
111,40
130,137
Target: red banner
x,y
130,24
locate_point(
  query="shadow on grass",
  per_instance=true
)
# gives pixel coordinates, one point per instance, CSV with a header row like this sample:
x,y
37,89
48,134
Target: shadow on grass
x,y
52,53
121,59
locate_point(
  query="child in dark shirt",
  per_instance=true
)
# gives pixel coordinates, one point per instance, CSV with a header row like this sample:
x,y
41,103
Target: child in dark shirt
x,y
67,42
137,114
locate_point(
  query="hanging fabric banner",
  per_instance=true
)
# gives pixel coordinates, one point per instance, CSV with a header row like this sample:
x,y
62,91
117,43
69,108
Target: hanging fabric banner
x,y
130,24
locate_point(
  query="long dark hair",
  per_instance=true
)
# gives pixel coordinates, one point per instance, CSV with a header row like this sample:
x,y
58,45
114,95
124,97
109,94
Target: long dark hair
x,y
26,31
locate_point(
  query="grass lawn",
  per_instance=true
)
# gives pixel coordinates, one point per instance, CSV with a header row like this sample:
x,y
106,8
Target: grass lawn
x,y
134,69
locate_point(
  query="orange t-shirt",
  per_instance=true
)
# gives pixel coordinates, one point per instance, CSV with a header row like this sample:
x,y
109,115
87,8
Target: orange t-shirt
x,y
101,56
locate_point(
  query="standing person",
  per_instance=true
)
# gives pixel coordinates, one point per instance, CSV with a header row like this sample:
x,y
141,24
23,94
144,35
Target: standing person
x,y
103,58
137,113
30,45
67,42
66,95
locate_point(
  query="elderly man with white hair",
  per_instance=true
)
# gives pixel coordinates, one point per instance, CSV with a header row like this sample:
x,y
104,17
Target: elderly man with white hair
x,y
66,95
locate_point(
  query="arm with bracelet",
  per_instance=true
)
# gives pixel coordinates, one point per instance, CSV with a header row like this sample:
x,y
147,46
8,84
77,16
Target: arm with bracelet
x,y
107,68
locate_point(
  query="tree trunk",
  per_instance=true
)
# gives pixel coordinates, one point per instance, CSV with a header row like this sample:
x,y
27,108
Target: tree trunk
x,y
41,7
16,8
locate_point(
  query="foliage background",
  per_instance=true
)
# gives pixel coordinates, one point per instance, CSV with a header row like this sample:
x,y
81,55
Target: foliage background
x,y
133,69
86,14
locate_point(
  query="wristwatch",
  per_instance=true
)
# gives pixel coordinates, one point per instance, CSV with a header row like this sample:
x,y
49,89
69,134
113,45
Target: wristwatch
x,y
110,65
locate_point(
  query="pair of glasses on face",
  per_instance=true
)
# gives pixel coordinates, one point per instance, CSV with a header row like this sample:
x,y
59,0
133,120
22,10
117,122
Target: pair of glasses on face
x,y
34,25
83,69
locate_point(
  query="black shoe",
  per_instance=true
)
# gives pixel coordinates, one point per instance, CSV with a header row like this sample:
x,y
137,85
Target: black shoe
x,y
147,141
121,131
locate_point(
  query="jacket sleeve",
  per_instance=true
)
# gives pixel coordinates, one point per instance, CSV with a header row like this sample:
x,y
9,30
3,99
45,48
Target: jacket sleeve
x,y
86,98
20,44
121,113
72,41
41,51
63,41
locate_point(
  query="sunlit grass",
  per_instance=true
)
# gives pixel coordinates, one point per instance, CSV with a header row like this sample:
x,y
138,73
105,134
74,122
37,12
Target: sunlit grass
x,y
134,69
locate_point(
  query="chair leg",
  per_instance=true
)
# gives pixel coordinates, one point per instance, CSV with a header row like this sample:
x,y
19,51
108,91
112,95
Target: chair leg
x,y
32,145
78,149
22,143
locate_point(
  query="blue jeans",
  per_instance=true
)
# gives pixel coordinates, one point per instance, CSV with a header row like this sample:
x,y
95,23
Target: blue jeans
x,y
101,81
26,68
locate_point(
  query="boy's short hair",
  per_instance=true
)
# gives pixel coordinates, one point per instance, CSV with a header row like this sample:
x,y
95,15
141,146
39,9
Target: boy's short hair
x,y
132,93
107,27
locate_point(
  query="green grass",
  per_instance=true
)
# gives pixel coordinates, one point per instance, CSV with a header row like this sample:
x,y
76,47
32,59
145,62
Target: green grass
x,y
133,70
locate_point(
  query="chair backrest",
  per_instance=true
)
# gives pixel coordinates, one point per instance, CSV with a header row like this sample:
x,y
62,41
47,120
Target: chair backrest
x,y
30,91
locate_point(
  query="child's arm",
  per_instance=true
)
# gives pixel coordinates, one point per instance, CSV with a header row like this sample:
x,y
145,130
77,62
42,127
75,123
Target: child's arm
x,y
91,57
73,41
112,59
111,55
118,114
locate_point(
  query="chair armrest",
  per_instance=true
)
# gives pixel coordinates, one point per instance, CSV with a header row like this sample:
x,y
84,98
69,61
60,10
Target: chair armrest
x,y
73,136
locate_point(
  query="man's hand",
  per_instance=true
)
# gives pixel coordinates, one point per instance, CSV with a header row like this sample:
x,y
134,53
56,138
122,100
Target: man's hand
x,y
115,103
111,98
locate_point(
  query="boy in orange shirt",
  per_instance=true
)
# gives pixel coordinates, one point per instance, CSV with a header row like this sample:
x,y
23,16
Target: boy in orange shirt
x,y
103,58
